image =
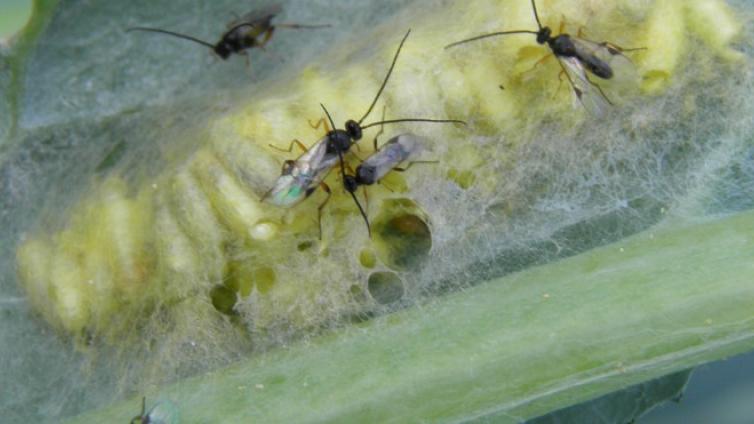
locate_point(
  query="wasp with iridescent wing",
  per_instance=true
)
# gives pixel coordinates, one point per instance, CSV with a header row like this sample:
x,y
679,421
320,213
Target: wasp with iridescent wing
x,y
577,57
301,177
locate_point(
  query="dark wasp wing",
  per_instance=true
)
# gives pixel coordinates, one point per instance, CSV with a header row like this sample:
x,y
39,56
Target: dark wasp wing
x,y
604,59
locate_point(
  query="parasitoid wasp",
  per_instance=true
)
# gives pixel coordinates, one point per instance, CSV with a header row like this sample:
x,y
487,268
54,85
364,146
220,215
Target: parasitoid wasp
x,y
301,177
253,29
399,149
577,57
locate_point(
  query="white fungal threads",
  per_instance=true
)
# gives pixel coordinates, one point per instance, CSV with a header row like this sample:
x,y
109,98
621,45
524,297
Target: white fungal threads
x,y
196,248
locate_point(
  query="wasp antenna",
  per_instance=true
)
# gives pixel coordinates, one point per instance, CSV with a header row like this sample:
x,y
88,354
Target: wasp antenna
x,y
395,121
303,26
329,118
174,34
536,15
363,214
492,34
387,77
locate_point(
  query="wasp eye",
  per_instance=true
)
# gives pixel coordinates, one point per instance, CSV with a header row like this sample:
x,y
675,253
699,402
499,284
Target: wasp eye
x,y
223,50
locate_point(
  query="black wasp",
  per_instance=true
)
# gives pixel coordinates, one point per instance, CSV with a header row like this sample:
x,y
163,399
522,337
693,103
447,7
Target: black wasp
x,y
301,177
576,56
399,149
253,29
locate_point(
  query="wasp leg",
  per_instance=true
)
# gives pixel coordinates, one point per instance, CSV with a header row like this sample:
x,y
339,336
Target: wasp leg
x,y
576,89
302,26
539,62
267,36
245,54
290,146
327,190
380,132
597,86
560,84
357,157
387,186
412,163
322,121
349,169
264,196
615,49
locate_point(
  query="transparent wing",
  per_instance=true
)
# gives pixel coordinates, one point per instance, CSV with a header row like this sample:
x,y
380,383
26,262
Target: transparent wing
x,y
397,150
163,412
258,16
588,93
306,172
317,158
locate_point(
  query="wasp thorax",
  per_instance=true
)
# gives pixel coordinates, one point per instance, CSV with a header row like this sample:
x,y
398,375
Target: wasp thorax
x,y
543,35
354,129
562,45
338,140
365,175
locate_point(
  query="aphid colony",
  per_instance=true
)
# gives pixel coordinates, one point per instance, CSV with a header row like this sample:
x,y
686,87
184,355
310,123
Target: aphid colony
x,y
301,177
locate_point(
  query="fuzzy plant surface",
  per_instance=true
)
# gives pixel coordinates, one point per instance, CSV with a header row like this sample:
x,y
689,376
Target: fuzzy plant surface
x,y
545,257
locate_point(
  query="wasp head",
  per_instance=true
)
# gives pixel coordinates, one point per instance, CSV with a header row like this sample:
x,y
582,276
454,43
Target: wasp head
x,y
543,35
353,129
350,183
223,49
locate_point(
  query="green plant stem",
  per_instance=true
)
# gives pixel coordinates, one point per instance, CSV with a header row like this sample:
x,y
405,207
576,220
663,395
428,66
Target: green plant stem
x,y
664,300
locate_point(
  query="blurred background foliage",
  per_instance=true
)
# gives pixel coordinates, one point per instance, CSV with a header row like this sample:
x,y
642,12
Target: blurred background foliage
x,y
13,15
